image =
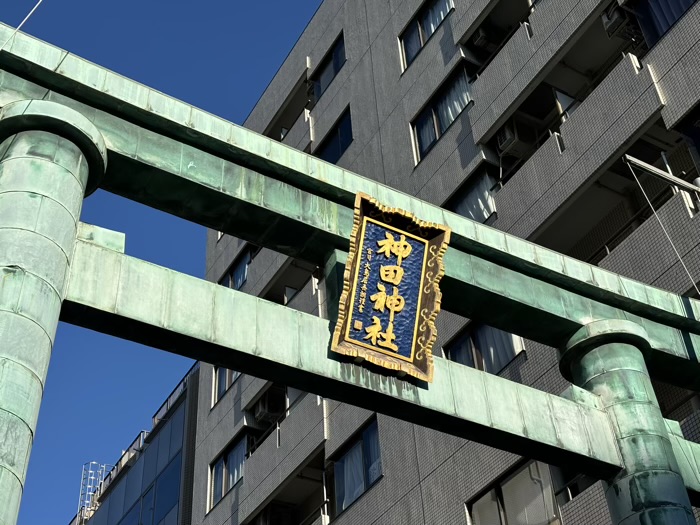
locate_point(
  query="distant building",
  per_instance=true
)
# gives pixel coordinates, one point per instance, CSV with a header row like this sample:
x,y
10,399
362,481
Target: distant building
x,y
152,480
510,112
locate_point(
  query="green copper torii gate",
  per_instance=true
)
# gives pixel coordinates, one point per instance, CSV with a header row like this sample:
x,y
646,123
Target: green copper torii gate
x,y
67,126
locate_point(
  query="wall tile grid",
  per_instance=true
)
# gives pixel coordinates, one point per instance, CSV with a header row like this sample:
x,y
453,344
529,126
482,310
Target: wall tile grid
x,y
595,135
300,436
523,61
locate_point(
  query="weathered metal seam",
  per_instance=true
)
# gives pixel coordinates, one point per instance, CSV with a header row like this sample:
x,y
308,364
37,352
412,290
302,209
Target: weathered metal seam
x,y
68,256
21,483
3,409
42,159
41,382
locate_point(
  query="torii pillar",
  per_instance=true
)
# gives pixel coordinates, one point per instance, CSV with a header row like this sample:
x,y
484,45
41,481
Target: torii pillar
x,y
607,359
51,157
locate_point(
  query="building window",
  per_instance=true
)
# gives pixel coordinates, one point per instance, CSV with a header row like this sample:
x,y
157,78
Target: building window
x,y
227,470
422,27
328,68
337,140
483,347
236,276
474,199
524,498
656,17
223,379
357,469
441,111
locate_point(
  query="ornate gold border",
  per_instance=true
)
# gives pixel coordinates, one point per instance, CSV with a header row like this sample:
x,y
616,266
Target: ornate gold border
x,y
427,312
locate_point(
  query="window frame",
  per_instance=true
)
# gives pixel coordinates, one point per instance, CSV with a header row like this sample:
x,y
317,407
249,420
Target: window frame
x,y
417,21
227,279
430,108
359,438
223,458
334,131
476,354
231,376
497,488
327,60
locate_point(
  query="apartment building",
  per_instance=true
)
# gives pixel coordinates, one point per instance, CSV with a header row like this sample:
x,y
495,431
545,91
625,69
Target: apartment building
x,y
514,113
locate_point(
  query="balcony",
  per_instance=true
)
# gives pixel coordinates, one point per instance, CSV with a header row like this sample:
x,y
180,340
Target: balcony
x,y
589,142
285,451
299,135
528,57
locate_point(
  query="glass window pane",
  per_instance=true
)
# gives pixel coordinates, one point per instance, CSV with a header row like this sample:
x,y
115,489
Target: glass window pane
x,y
486,511
217,481
453,102
151,461
240,271
163,446
168,489
528,498
132,517
133,482
116,503
337,140
434,16
177,428
349,477
339,55
345,132
460,350
234,463
411,43
171,518
220,382
425,131
373,459
147,507
329,68
475,200
496,347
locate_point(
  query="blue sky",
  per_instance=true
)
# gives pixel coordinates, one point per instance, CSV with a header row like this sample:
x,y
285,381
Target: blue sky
x,y
215,54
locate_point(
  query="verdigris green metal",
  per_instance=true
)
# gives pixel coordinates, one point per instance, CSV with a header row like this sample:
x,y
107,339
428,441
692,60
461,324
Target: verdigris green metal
x,y
240,180
176,158
165,309
606,358
49,155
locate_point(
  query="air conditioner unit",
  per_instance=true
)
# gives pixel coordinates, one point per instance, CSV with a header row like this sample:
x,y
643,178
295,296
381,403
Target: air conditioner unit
x,y
514,139
262,412
619,23
481,40
614,21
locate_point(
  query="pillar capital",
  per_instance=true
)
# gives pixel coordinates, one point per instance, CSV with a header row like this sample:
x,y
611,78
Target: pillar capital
x,y
52,117
598,333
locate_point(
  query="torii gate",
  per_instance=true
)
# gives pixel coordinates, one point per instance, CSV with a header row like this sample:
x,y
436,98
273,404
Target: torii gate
x,y
68,127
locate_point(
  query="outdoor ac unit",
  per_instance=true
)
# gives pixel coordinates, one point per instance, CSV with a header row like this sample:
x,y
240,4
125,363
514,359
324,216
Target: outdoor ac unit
x,y
481,40
614,22
511,141
263,413
619,23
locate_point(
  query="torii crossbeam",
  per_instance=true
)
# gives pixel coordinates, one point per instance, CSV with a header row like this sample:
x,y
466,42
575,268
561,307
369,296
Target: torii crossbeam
x,y
68,127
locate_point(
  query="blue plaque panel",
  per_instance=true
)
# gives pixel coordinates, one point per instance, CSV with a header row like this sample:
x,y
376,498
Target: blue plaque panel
x,y
391,295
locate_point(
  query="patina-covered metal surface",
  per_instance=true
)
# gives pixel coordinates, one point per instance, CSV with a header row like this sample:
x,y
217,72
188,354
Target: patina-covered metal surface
x,y
43,180
162,308
181,160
